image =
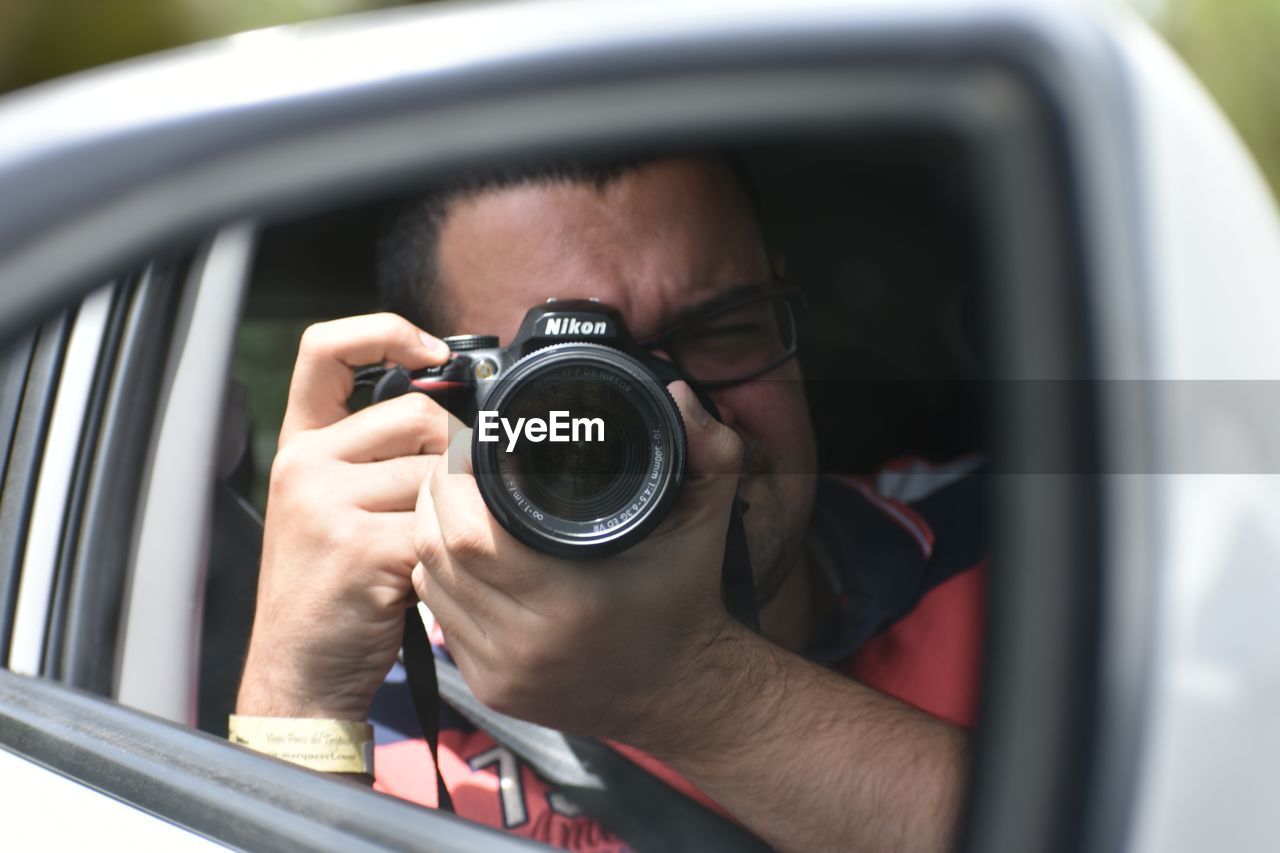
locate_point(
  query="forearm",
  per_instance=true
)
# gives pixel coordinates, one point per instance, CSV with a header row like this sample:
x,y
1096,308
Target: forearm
x,y
810,760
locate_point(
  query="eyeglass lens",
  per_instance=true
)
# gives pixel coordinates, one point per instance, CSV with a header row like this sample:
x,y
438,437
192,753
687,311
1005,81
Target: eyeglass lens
x,y
737,342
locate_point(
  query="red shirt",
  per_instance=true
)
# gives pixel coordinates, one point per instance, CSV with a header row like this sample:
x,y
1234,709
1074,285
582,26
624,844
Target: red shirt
x,y
910,573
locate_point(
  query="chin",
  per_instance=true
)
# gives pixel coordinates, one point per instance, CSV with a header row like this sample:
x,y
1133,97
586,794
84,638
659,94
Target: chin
x,y
777,518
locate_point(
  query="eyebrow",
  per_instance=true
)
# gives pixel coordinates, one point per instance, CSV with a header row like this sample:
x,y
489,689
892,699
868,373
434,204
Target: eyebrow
x,y
728,297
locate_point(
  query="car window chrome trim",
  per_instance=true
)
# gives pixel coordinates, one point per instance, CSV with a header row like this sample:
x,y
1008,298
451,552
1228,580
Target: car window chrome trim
x,y
26,445
15,361
85,457
112,506
44,532
161,624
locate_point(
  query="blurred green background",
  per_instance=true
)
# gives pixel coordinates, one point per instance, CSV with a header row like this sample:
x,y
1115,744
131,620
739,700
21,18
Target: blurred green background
x,y
1232,45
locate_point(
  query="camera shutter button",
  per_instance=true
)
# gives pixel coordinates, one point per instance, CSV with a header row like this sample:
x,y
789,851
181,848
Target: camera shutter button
x,y
467,343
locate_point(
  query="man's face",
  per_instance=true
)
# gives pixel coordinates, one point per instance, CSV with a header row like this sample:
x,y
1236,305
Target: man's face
x,y
656,243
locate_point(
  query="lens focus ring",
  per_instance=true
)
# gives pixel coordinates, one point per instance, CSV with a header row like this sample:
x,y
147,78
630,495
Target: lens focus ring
x,y
592,494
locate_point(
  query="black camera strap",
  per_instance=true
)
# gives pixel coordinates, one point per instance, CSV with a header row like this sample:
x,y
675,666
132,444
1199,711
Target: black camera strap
x,y
737,582
420,674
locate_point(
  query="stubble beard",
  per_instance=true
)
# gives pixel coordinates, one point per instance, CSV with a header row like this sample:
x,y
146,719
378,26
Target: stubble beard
x,y
775,521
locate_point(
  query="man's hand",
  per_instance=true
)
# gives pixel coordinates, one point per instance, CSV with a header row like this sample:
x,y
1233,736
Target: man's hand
x,y
592,647
338,543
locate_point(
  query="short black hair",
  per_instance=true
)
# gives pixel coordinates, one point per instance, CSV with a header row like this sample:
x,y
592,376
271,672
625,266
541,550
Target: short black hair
x,y
407,252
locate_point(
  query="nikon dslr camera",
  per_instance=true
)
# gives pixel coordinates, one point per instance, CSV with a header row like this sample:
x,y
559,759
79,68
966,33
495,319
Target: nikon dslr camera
x,y
578,448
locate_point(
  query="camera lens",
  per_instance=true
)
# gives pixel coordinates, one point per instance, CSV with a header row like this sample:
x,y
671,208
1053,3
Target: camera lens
x,y
609,464
582,479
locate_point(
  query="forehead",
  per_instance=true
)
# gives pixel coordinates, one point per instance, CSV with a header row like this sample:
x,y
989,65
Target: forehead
x,y
654,242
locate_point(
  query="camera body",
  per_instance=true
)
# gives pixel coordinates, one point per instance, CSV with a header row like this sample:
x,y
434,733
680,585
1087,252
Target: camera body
x,y
582,495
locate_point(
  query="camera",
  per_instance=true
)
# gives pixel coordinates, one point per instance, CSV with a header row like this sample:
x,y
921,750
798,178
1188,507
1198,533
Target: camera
x,y
578,448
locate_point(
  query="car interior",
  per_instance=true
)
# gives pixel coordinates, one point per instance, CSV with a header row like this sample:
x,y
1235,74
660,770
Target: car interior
x,y
880,231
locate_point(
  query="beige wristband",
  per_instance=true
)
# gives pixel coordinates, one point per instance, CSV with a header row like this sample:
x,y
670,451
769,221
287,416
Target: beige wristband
x,y
332,746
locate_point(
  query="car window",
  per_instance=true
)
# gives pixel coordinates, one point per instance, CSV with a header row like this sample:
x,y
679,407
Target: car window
x,y
883,227
876,233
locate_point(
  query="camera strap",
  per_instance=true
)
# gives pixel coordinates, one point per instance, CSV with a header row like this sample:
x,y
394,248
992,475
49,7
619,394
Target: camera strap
x,y
420,674
625,798
737,583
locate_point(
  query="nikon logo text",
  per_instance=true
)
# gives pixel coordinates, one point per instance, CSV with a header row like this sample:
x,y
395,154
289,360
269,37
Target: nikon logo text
x,y
559,427
571,326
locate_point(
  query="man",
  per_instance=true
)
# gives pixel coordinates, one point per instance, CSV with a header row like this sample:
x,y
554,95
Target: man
x,y
363,518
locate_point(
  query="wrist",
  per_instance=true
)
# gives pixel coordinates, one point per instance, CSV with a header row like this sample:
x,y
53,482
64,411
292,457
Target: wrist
x,y
275,688
330,746
721,699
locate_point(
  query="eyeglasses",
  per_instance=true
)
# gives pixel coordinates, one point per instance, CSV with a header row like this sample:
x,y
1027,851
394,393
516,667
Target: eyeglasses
x,y
734,342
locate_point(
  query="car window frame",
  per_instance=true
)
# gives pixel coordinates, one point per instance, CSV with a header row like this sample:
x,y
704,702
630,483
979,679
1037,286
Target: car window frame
x,y
1050,664
26,441
214,788
85,651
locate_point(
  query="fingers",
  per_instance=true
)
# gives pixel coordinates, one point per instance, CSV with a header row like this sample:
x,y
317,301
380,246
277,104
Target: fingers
x,y
391,485
408,425
714,460
323,375
460,511
462,601
463,634
455,524
385,541
455,529
714,449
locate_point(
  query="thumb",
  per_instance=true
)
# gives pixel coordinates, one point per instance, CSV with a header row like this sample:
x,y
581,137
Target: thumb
x,y
715,450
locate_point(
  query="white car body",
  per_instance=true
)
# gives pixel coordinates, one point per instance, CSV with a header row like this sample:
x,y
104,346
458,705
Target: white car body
x,y
1183,260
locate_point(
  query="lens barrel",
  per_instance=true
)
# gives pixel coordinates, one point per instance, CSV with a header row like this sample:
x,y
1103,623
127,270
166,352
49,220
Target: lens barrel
x,y
617,473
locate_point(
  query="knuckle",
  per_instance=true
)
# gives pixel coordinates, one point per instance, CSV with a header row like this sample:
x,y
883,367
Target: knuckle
x,y
344,535
391,321
466,542
502,690
387,326
415,411
417,402
732,441
420,407
289,468
734,448
316,337
487,693
428,547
